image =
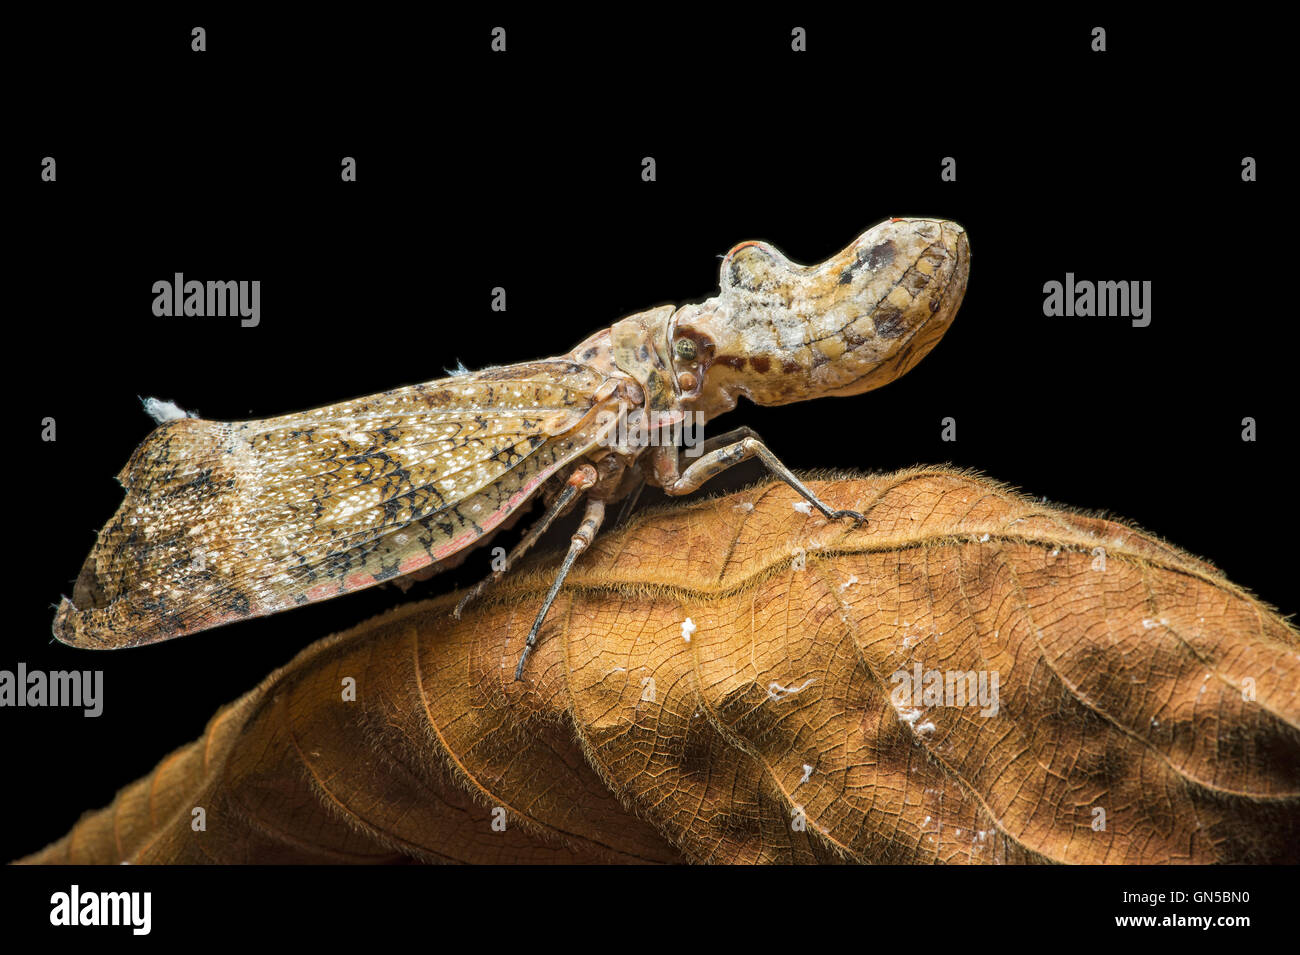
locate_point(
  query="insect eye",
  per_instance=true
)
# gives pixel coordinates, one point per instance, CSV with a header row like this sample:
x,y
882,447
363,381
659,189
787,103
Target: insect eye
x,y
685,349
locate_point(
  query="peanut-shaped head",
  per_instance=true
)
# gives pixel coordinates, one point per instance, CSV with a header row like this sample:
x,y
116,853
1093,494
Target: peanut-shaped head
x,y
780,332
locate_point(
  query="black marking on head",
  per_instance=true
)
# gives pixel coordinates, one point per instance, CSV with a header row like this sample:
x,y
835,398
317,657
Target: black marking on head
x,y
873,260
889,322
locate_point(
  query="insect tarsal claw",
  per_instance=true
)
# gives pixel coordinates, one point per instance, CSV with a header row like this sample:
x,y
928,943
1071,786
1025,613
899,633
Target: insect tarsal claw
x,y
858,517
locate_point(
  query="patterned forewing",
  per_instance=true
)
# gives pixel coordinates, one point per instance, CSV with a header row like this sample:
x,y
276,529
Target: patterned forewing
x,y
223,521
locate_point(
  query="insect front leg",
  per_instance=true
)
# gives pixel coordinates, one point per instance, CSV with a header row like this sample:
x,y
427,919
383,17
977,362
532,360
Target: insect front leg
x,y
741,445
591,521
581,480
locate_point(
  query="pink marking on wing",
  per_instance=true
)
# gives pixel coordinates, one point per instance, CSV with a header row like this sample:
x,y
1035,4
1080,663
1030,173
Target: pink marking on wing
x,y
363,579
414,563
321,591
497,516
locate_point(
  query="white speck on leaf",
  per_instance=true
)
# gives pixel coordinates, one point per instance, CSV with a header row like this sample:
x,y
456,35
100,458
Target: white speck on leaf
x,y
778,692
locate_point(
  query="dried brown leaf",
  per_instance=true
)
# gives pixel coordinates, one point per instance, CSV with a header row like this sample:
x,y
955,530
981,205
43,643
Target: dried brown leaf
x,y
1132,679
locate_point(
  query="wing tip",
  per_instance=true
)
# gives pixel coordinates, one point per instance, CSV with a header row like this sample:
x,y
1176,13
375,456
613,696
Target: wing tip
x,y
67,627
92,629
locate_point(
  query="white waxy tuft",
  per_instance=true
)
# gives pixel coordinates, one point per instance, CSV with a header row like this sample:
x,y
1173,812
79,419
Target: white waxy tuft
x,y
164,411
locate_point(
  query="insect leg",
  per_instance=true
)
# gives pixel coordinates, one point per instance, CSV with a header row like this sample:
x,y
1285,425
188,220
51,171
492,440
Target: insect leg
x,y
729,437
629,502
715,462
579,481
667,468
591,522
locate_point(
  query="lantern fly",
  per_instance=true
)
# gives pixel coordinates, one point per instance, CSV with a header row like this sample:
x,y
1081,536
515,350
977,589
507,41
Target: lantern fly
x,y
225,521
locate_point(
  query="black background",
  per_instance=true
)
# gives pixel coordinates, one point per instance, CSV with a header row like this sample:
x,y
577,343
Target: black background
x,y
523,170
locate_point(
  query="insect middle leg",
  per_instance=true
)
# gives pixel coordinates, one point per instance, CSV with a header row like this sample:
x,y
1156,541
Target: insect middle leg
x,y
581,480
591,521
740,445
